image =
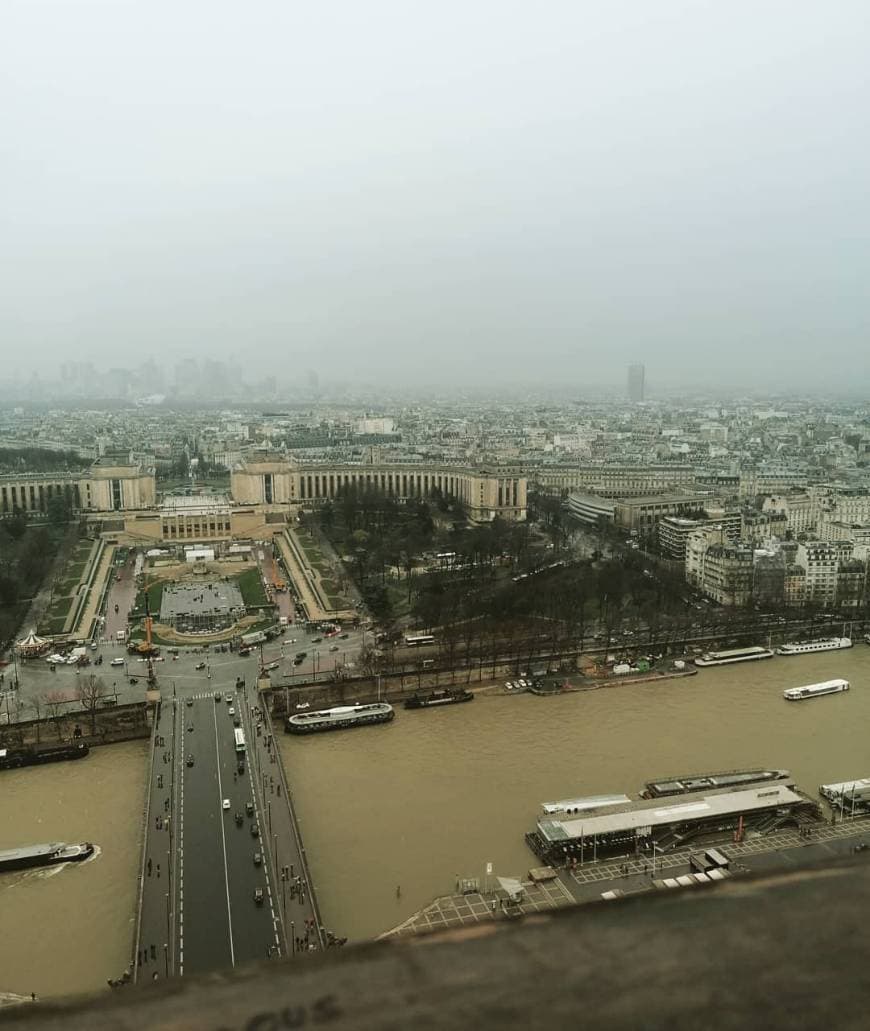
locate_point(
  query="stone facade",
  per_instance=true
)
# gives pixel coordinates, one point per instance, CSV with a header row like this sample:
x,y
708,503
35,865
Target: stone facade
x,y
487,492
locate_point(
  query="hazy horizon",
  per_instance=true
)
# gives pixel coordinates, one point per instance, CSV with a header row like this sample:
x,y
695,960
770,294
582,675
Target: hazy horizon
x,y
485,194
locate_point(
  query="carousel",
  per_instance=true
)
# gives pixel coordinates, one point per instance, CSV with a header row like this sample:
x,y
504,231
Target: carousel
x,y
32,646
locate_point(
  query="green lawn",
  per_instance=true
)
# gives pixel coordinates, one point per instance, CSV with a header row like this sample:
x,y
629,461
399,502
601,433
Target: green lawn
x,y
251,586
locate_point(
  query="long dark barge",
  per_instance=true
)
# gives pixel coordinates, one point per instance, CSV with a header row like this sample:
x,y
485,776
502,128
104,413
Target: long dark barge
x,y
710,782
13,758
44,855
425,701
338,718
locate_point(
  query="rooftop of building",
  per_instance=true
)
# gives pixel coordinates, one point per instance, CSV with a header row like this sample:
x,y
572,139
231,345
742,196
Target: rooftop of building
x,y
195,504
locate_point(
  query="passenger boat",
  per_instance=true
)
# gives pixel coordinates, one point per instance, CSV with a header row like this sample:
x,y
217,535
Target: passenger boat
x,y
13,758
581,805
733,655
797,694
846,790
710,781
448,697
338,718
828,644
44,855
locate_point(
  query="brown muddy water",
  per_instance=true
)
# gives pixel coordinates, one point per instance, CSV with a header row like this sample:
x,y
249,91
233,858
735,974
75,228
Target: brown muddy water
x,y
392,815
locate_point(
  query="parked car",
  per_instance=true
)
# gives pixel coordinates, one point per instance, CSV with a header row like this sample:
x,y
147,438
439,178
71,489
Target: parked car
x,y
255,831
226,803
190,760
199,665
117,662
258,859
249,808
259,896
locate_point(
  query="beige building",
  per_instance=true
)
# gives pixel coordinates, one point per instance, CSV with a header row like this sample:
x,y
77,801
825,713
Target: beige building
x,y
487,492
105,487
613,481
801,511
643,513
722,571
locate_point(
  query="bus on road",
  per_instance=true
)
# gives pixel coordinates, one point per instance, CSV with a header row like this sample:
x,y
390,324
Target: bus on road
x,y
239,735
415,640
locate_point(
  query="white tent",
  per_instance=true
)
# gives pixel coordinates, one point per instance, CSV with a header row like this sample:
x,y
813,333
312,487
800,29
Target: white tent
x,y
32,645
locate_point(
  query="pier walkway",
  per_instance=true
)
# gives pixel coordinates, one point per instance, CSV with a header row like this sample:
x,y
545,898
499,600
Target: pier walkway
x,y
784,849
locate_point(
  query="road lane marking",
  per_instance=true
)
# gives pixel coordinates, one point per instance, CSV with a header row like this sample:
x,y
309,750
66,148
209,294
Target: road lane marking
x,y
223,835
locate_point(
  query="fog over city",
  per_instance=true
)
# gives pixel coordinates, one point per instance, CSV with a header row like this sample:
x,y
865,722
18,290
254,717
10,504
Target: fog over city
x,y
484,194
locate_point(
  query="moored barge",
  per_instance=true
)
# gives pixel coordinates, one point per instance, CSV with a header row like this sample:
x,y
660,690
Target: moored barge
x,y
13,758
710,781
725,658
447,697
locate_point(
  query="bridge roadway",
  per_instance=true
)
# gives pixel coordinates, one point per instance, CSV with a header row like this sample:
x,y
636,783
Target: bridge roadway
x,y
198,911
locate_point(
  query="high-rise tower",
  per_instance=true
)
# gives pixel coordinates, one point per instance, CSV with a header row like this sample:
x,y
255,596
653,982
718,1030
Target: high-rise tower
x,y
635,382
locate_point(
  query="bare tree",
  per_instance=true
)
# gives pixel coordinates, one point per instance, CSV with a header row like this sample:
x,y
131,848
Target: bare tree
x,y
89,691
54,702
36,705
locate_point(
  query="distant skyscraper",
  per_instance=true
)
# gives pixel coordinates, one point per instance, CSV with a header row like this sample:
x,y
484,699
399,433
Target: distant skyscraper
x,y
635,382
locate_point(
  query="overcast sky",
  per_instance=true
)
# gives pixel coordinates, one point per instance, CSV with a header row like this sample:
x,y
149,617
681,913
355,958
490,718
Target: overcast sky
x,y
523,191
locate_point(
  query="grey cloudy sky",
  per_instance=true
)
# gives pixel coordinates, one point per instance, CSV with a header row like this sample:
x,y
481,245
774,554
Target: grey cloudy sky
x,y
443,190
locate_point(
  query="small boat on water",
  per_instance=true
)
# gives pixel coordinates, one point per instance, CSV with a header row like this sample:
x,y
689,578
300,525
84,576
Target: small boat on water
x,y
797,694
710,781
828,644
338,718
733,655
13,758
447,697
44,855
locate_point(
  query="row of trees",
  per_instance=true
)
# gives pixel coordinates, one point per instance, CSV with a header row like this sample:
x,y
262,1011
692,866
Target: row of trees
x,y
37,460
58,707
26,555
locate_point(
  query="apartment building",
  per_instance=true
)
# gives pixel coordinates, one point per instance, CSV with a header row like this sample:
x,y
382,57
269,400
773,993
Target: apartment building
x,y
613,480
727,577
801,511
820,560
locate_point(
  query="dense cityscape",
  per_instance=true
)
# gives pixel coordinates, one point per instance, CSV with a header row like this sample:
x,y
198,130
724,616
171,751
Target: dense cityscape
x,y
314,567
434,516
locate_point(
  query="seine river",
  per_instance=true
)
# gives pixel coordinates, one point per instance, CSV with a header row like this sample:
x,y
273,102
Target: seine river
x,y
67,929
392,815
